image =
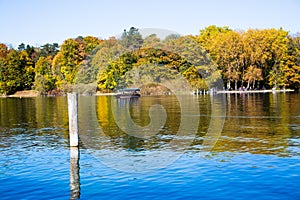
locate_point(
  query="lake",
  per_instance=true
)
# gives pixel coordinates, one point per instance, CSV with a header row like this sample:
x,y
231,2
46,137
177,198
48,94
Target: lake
x,y
229,146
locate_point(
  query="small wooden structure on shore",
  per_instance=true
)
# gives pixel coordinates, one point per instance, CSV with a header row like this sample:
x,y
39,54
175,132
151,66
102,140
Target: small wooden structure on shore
x,y
214,91
252,91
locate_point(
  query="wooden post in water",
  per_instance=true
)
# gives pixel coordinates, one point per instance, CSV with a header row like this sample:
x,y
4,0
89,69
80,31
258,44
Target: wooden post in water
x,y
73,118
74,173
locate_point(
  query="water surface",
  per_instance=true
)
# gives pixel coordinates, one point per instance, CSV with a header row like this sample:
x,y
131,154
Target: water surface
x,y
256,155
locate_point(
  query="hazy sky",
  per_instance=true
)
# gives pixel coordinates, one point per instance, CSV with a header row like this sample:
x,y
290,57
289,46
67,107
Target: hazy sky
x,y
38,22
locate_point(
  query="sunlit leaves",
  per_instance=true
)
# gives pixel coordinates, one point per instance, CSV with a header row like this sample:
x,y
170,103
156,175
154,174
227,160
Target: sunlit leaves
x,y
258,57
44,80
17,71
156,61
255,58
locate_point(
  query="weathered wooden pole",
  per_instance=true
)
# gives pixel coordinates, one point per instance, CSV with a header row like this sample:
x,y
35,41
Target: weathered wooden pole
x,y
74,173
73,118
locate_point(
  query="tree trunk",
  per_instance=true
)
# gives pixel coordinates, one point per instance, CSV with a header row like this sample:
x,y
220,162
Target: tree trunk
x,y
228,85
235,84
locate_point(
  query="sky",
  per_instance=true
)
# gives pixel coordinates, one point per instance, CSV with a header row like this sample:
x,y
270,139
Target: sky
x,y
37,22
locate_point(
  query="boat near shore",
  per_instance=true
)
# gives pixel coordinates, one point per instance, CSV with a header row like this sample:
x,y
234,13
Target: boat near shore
x,y
128,93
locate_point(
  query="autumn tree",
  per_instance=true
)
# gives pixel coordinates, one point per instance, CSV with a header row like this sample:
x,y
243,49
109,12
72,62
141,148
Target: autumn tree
x,y
44,80
87,72
113,76
293,62
66,64
17,72
207,38
259,57
151,41
254,58
266,50
252,74
226,50
196,66
104,54
277,40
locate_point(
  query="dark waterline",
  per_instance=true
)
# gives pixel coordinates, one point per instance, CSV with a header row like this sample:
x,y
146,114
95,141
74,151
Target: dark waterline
x,y
257,154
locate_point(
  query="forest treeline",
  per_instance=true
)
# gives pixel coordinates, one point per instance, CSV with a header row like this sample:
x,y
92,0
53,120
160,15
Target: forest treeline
x,y
254,59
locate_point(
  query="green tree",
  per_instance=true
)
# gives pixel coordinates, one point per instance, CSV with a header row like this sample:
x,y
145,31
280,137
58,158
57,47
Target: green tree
x,y
27,69
3,67
106,52
49,50
91,43
66,63
31,51
17,72
113,76
44,81
132,39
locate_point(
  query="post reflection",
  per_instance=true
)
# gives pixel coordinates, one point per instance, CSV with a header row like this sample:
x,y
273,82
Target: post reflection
x,y
74,173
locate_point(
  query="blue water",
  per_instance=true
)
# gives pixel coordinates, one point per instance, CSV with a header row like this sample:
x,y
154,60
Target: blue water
x,y
219,176
260,177
35,163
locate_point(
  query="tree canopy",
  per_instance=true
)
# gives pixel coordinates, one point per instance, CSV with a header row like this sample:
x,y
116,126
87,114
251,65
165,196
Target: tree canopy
x,y
253,59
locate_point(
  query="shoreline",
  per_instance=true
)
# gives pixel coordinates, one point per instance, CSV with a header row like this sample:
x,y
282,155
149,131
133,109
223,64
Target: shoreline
x,y
22,94
32,93
253,91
